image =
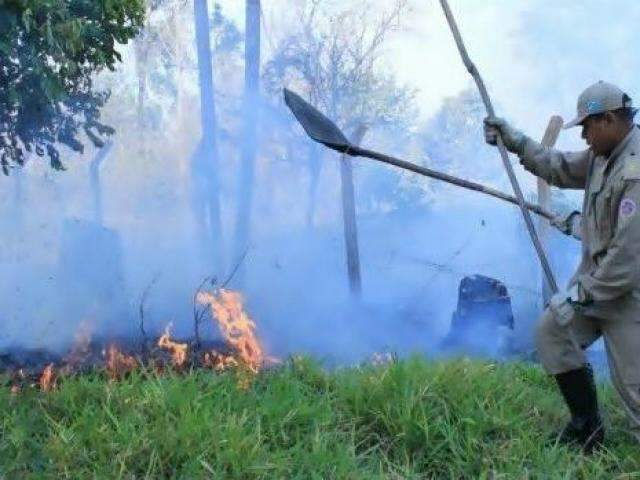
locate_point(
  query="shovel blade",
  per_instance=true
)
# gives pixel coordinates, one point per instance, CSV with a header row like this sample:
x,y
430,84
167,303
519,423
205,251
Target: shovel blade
x,y
317,126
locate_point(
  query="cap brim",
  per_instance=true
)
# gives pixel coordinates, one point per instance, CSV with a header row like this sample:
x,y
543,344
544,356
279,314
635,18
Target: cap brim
x,y
575,122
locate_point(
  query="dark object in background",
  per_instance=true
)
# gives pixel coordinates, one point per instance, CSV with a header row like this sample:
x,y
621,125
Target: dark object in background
x,y
483,321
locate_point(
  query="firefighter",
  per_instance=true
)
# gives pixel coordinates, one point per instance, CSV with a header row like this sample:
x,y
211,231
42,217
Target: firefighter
x,y
603,297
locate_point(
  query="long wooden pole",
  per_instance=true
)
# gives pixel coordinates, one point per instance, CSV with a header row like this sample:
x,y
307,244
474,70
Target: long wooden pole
x,y
445,177
544,194
471,68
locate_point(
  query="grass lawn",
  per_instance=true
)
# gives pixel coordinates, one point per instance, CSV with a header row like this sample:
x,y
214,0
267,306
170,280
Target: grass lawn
x,y
410,419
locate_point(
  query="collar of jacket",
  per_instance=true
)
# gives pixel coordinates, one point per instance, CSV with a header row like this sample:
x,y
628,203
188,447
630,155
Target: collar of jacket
x,y
634,132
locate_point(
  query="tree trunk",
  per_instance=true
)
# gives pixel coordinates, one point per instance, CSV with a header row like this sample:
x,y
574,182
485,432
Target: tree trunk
x,y
206,201
251,108
94,180
544,197
141,51
349,216
19,199
314,160
141,55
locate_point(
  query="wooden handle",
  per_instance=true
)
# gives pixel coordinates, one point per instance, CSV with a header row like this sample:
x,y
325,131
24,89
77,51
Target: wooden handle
x,y
471,68
445,177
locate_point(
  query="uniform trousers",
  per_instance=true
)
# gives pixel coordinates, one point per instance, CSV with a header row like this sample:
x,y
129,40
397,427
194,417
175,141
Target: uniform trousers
x,y
561,349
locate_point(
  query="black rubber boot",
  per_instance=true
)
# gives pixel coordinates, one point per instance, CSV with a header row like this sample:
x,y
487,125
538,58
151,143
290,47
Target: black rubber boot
x,y
585,429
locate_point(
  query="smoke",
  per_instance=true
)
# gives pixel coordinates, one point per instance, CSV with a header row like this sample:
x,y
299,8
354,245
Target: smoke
x,y
62,265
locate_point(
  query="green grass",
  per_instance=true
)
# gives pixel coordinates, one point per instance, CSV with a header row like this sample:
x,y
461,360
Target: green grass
x,y
410,419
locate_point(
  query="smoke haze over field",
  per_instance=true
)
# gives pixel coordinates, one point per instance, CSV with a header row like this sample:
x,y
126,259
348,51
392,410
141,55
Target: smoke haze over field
x,y
535,55
80,248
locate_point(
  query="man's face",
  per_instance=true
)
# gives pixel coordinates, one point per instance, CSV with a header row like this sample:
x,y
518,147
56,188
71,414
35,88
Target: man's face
x,y
600,133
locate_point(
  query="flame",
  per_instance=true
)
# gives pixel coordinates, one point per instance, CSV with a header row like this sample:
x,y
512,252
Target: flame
x,y
118,363
48,379
178,350
219,362
235,325
81,344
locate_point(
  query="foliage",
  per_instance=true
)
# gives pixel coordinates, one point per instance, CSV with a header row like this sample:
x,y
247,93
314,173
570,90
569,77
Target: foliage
x,y
453,135
166,66
226,35
49,50
408,419
454,140
333,57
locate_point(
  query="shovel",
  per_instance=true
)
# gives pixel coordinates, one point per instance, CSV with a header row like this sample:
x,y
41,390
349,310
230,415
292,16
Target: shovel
x,y
324,131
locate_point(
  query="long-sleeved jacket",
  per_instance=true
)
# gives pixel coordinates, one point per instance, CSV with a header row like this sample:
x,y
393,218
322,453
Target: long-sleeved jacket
x,y
609,272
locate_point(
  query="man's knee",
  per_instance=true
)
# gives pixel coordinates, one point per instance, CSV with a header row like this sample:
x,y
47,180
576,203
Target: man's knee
x,y
556,350
547,331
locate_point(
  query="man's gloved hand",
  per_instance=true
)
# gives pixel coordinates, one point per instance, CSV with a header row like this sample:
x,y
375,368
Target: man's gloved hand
x,y
563,305
569,225
513,139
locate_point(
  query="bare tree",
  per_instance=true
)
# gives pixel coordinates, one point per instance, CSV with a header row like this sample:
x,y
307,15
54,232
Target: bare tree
x,y
334,58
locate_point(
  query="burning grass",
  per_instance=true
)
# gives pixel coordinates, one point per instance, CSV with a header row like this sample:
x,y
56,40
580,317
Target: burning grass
x,y
240,348
403,419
